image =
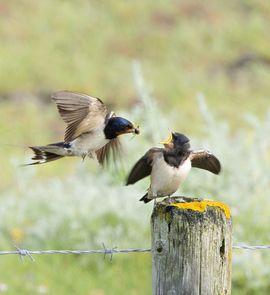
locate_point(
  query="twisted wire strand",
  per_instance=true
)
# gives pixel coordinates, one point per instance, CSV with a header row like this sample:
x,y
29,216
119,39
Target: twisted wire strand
x,y
106,251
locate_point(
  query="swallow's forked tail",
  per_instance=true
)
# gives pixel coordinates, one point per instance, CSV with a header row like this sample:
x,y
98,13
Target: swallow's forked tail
x,y
48,153
145,198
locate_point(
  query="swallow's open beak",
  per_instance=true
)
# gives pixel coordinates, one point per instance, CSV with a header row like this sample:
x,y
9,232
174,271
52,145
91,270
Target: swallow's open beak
x,y
134,130
168,143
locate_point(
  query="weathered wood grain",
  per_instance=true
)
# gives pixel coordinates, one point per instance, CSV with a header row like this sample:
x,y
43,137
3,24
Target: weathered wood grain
x,y
191,247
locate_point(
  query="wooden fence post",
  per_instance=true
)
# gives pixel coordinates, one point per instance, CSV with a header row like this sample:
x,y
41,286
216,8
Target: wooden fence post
x,y
191,247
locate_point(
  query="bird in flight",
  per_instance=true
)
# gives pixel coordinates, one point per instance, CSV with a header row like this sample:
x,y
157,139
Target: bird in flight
x,y
91,130
169,166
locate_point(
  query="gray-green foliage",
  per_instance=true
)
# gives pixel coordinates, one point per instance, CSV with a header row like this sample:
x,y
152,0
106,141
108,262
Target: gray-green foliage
x,y
87,208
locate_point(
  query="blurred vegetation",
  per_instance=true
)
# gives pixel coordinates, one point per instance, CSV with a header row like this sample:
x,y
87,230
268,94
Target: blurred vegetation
x,y
218,48
184,47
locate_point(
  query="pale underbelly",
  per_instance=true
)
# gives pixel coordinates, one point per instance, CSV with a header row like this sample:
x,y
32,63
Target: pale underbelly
x,y
166,179
166,186
88,143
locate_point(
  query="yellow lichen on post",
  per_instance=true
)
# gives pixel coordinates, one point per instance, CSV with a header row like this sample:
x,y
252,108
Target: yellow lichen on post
x,y
201,206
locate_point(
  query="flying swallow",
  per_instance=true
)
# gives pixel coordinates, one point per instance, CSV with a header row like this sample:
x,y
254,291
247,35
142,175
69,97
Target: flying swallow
x,y
169,166
91,130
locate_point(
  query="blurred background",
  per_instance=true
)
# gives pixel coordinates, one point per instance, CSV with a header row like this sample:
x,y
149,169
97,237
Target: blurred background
x,y
198,67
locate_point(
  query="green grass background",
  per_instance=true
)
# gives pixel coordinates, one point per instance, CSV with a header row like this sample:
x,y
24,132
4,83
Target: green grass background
x,y
183,48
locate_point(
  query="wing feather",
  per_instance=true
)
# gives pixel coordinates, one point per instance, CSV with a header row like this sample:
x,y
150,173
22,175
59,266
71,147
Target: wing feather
x,y
81,112
203,159
143,167
112,149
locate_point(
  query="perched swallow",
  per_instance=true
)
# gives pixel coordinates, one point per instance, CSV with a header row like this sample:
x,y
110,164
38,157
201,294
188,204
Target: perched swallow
x,y
169,166
91,130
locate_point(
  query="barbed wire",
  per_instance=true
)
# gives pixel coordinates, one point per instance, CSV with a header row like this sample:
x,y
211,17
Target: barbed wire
x,y
105,251
249,247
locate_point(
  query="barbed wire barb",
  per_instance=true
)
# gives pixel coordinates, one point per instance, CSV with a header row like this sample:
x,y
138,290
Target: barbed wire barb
x,y
108,251
24,253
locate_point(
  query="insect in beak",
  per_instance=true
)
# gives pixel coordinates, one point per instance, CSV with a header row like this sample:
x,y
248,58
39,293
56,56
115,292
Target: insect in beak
x,y
137,130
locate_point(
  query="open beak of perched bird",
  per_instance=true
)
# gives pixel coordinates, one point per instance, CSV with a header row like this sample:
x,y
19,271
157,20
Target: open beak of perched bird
x,y
168,143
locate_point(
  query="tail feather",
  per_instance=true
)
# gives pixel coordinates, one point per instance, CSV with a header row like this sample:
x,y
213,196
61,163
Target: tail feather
x,y
47,153
145,198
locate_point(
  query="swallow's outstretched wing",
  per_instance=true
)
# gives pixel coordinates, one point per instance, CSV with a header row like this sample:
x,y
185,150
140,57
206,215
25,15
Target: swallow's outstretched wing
x,y
81,112
143,167
203,159
111,150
